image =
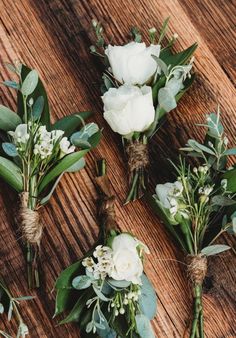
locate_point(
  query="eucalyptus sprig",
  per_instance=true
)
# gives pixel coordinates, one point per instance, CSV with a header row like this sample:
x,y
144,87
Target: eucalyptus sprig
x,y
107,292
10,306
199,207
36,153
141,84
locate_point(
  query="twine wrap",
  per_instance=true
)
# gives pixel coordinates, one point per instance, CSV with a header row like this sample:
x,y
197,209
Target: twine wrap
x,y
138,156
106,207
30,223
197,268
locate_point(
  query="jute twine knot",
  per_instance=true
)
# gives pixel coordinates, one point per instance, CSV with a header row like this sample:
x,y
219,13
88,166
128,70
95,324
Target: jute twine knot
x,y
197,268
106,207
138,156
30,221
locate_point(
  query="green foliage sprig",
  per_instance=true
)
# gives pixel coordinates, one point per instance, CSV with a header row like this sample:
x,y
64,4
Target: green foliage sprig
x,y
10,306
200,206
36,153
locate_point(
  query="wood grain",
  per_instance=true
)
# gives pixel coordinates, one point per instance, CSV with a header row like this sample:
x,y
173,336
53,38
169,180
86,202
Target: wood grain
x,y
54,36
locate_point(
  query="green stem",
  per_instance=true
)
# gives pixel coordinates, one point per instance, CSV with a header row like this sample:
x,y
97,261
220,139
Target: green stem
x,y
132,195
197,320
25,109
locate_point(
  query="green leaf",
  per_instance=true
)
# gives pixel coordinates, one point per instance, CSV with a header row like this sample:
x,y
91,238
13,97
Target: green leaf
x,y
30,83
63,301
45,199
11,174
84,134
214,249
147,299
178,58
144,328
70,123
39,91
137,37
230,176
8,119
9,149
62,166
77,166
222,201
38,108
78,308
81,282
66,277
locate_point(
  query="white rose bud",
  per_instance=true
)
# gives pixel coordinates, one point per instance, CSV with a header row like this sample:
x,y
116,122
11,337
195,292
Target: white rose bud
x,y
133,63
128,109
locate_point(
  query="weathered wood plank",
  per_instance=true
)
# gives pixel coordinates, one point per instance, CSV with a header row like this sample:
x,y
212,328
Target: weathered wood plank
x,y
54,36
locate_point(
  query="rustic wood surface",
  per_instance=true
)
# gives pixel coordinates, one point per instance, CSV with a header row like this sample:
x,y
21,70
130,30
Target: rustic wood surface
x,y
54,37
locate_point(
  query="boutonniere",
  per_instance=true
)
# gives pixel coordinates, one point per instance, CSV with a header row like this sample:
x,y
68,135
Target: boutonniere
x,y
142,83
107,292
9,305
200,206
35,153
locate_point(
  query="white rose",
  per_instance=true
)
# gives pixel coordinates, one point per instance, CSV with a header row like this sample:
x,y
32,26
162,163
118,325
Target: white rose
x,y
128,109
66,147
127,264
133,63
20,135
166,191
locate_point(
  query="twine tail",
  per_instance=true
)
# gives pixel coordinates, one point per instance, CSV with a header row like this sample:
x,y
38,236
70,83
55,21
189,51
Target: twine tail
x,y
197,268
138,161
31,229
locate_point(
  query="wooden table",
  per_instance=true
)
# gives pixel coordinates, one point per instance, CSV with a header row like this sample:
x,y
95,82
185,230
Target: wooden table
x,y
54,37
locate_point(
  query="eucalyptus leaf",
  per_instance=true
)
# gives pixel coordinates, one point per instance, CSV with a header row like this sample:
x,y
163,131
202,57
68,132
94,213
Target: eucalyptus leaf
x,y
147,299
222,201
81,282
166,100
8,119
100,294
9,149
11,84
11,174
143,325
231,151
118,283
77,166
200,147
62,166
39,91
214,249
1,308
30,83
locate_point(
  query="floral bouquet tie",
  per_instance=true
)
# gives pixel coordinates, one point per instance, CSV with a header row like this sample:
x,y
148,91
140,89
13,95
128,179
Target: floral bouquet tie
x,y
36,153
141,84
199,207
106,292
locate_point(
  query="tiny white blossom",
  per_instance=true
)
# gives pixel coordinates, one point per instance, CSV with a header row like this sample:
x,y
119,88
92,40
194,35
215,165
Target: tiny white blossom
x,y
66,147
